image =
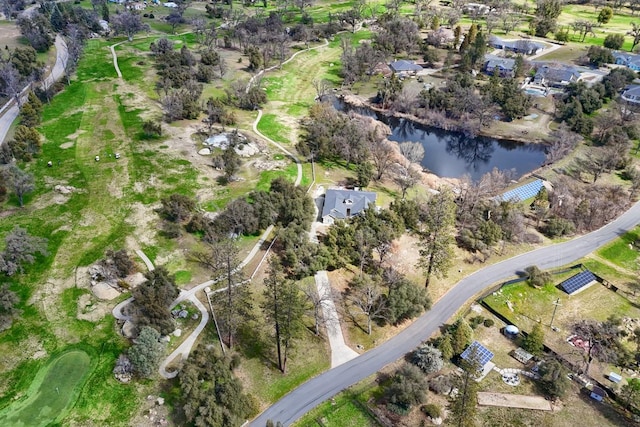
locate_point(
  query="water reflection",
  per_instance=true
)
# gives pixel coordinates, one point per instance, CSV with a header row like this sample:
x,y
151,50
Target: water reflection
x,y
452,154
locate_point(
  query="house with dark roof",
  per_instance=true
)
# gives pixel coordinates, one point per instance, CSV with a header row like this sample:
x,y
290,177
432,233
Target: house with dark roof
x,y
505,67
521,46
632,95
404,67
627,59
556,75
598,393
344,204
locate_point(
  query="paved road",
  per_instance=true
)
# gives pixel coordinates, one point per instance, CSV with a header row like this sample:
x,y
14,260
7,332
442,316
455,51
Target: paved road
x,y
10,110
315,391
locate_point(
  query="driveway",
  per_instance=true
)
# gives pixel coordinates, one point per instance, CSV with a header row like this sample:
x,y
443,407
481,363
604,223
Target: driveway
x,y
315,391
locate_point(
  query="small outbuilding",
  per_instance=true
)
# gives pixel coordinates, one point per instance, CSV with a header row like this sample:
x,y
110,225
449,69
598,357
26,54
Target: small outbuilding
x,y
511,331
522,355
616,378
598,394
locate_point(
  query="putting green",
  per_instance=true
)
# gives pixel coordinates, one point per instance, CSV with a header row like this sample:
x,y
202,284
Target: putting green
x,y
51,393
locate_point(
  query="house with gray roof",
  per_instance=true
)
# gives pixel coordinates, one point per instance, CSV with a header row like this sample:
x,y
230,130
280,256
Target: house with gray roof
x,y
632,95
627,59
556,75
404,67
505,67
344,204
521,46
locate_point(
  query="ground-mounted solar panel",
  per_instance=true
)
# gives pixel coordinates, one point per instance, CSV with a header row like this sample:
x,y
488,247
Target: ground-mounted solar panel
x,y
575,283
523,192
482,354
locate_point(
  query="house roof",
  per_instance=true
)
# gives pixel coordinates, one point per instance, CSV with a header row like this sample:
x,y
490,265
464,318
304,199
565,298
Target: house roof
x,y
626,57
492,61
517,45
336,202
404,65
632,94
557,73
522,355
598,391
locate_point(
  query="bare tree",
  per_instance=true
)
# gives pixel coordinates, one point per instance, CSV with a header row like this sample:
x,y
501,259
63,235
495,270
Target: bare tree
x,y
20,248
128,23
382,155
13,82
21,181
322,87
316,302
563,141
413,152
364,296
405,177
75,46
234,305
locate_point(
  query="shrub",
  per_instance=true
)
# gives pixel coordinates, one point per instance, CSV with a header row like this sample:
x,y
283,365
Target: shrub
x,y
431,411
488,323
475,321
428,358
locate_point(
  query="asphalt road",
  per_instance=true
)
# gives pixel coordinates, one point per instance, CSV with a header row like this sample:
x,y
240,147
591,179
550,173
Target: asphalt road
x,y
12,110
317,390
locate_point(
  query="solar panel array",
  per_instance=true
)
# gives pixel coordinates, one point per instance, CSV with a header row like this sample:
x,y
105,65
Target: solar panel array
x,y
575,283
482,354
523,192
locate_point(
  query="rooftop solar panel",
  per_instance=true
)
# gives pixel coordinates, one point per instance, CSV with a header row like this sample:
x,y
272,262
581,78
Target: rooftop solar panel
x,y
575,283
523,192
482,354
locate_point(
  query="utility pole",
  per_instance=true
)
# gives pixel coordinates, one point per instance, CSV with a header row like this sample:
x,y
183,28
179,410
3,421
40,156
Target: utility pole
x,y
556,304
215,322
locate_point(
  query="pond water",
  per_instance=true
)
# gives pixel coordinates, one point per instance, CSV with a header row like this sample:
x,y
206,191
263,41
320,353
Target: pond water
x,y
452,154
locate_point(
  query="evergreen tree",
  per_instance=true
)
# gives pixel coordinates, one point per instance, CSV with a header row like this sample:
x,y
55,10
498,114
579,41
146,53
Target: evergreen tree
x,y
534,342
461,336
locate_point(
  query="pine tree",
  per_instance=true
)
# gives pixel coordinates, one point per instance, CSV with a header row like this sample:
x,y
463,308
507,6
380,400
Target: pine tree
x,y
461,337
534,342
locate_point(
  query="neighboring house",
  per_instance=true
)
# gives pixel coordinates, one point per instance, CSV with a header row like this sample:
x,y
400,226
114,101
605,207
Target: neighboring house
x,y
104,25
629,60
137,6
556,75
170,5
344,204
632,95
521,46
504,66
404,67
476,8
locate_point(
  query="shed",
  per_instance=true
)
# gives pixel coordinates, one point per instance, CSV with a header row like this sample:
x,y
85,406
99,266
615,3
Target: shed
x,y
616,378
521,355
598,394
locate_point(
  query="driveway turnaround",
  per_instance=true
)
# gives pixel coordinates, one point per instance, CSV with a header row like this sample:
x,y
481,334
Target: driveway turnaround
x,y
315,391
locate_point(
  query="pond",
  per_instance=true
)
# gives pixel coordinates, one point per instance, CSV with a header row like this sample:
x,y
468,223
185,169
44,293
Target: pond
x,y
452,154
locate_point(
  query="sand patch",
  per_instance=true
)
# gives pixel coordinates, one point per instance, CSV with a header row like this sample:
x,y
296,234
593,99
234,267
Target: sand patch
x,y
66,145
514,401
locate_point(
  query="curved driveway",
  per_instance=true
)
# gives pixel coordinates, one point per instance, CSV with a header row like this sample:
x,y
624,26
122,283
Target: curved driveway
x,y
315,391
9,112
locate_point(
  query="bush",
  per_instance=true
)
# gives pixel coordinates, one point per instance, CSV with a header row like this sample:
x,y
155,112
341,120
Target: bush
x,y
428,358
475,321
431,411
488,323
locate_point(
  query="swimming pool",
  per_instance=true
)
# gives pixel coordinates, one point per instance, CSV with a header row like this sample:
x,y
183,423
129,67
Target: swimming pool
x,y
535,91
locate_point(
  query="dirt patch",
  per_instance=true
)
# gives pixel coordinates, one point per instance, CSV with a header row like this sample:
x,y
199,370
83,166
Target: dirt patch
x,y
514,401
66,145
91,310
144,218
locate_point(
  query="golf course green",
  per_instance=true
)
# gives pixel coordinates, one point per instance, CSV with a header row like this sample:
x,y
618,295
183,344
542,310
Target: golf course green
x,y
52,392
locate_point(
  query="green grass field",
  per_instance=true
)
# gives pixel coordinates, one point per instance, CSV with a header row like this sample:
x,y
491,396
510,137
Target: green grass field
x,y
51,394
622,251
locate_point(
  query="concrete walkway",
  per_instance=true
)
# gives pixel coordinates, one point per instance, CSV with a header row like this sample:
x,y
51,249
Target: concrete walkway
x,y
340,352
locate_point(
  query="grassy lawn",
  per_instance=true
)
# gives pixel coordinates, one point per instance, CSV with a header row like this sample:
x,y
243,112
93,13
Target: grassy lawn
x,y
51,393
342,411
622,251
